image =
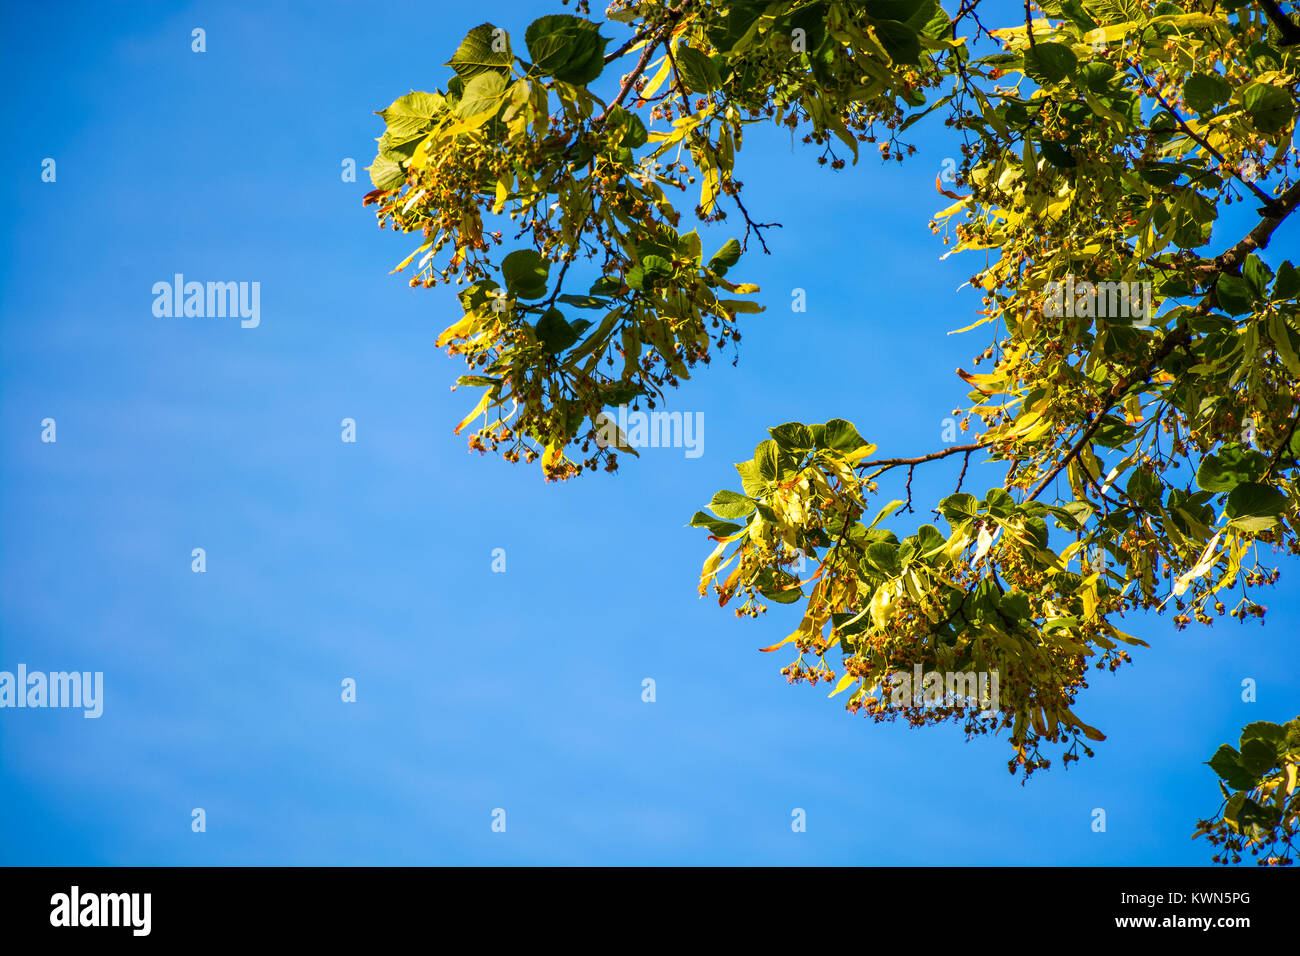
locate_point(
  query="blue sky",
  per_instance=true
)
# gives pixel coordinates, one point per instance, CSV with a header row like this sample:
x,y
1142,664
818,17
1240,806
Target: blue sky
x,y
372,560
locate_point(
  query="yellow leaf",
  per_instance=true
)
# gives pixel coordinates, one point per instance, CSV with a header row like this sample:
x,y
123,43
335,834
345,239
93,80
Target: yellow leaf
x,y
973,325
844,682
413,200
653,84
860,453
957,543
478,410
409,259
792,636
1207,560
711,566
1126,638
882,605
458,330
1133,409
469,124
709,190
946,213
729,585
1277,331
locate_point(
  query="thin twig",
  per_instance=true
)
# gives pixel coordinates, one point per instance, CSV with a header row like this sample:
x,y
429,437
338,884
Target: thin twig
x,y
886,463
1270,202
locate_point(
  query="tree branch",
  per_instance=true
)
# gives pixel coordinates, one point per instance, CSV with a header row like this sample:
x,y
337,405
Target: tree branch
x,y
886,463
644,59
1285,25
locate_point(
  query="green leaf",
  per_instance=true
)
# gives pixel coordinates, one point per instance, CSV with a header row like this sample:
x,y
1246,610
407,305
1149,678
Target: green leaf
x,y
999,502
526,273
1075,10
729,504
725,258
1058,155
1074,516
901,10
484,92
1163,174
958,507
1258,756
1234,295
484,49
478,295
884,513
1251,814
1229,467
620,394
1263,57
1257,275
584,301
768,458
1254,507
929,540
634,132
792,436
938,25
386,173
883,557
1112,432
721,529
1144,487
1050,62
1015,606
656,266
411,115
566,47
1225,764
750,479
1287,283
900,41
555,332
1193,217
1263,730
1205,92
697,71
848,623
688,247
1269,106
842,436
777,586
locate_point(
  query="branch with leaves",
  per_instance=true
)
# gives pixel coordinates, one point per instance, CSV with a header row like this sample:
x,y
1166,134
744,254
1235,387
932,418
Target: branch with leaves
x,y
1143,380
